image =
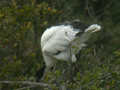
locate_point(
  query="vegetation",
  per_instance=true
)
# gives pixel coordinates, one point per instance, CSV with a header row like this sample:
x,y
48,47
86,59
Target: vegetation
x,y
22,23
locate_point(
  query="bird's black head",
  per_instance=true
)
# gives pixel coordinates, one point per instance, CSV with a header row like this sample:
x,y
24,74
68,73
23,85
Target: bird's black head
x,y
77,24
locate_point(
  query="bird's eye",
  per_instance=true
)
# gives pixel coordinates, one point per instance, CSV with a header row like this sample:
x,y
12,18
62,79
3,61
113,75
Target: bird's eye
x,y
58,52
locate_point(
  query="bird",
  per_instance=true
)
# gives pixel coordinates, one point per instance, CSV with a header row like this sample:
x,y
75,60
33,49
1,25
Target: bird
x,y
63,42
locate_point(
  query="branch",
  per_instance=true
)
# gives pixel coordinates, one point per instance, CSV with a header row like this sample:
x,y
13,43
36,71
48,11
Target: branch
x,y
88,9
25,82
25,88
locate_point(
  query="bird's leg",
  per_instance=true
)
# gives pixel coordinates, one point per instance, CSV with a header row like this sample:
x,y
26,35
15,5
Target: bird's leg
x,y
45,73
69,68
49,62
47,70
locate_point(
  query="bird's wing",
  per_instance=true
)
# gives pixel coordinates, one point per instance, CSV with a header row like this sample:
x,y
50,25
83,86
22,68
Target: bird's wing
x,y
74,41
78,38
77,45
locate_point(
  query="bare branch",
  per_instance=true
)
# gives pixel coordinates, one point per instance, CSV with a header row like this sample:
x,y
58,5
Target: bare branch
x,y
88,9
25,82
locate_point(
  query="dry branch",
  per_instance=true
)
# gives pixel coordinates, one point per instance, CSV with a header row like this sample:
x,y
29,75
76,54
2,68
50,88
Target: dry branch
x,y
25,82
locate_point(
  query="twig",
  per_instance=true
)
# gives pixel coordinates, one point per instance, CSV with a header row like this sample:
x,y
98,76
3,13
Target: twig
x,y
106,7
89,9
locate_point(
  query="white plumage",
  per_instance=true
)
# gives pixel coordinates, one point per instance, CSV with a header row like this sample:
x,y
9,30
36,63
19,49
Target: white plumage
x,y
62,42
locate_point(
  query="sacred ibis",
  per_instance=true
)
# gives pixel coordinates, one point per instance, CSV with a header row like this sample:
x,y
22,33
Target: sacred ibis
x,y
64,41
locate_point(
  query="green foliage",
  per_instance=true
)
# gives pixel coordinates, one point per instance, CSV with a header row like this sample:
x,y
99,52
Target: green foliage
x,y
22,24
